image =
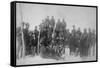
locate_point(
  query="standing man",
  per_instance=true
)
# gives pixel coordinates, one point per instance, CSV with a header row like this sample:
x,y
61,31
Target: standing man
x,y
26,37
36,33
79,36
72,45
84,44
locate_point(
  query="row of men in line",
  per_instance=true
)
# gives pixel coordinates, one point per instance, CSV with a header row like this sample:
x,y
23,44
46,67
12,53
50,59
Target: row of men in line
x,y
76,41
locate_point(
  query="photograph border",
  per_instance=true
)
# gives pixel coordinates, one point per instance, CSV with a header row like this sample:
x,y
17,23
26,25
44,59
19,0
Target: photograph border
x,y
13,32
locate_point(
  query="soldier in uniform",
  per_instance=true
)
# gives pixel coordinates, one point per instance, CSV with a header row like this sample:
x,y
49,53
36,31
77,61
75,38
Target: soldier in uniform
x,y
32,43
93,44
89,39
78,35
67,38
26,38
36,33
84,44
73,42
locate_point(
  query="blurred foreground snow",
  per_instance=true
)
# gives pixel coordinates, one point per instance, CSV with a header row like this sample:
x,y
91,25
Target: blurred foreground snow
x,y
39,60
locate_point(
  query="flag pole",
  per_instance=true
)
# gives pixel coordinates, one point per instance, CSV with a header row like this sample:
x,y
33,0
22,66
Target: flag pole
x,y
53,32
22,26
38,47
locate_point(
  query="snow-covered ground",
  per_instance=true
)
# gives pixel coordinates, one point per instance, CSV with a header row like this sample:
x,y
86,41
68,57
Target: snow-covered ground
x,y
39,60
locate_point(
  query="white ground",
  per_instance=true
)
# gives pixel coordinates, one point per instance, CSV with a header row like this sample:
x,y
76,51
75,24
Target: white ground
x,y
39,60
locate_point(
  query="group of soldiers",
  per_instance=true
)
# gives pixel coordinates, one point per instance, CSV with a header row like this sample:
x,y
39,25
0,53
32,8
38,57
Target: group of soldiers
x,y
31,41
53,41
80,43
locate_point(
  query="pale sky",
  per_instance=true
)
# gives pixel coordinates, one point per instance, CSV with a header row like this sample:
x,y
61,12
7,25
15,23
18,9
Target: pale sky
x,y
83,17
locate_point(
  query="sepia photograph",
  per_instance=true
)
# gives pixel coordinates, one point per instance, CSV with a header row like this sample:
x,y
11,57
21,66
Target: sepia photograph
x,y
48,33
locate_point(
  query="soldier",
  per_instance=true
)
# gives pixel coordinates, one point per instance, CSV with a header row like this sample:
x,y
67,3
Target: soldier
x,y
84,44
67,37
89,39
78,36
93,44
79,32
36,33
26,38
32,43
73,41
